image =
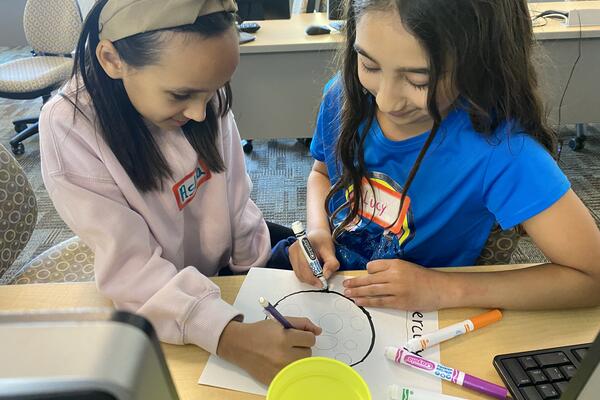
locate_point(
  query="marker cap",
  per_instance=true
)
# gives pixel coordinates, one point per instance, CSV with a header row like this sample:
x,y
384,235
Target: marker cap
x,y
394,392
324,282
487,318
263,302
298,227
390,353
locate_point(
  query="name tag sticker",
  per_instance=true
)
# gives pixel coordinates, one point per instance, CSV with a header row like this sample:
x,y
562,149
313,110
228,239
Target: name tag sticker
x,y
381,203
185,190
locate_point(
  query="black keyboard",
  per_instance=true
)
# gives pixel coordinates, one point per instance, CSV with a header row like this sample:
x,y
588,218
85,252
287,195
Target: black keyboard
x,y
540,374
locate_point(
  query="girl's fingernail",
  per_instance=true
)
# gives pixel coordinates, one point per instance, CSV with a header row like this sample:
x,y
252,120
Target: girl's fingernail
x,y
347,292
346,282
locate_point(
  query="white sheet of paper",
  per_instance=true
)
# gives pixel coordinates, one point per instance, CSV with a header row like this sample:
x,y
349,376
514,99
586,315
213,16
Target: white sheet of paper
x,y
346,333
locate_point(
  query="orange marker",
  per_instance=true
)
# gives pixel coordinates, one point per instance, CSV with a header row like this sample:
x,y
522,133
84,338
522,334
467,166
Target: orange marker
x,y
449,332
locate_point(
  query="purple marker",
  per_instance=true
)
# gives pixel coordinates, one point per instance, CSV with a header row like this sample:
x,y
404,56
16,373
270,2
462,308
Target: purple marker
x,y
272,311
402,356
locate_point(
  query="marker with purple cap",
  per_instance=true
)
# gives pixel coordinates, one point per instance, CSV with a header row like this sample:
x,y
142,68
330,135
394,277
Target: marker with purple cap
x,y
403,356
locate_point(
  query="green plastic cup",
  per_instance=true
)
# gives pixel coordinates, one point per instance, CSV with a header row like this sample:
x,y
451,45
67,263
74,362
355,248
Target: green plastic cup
x,y
318,378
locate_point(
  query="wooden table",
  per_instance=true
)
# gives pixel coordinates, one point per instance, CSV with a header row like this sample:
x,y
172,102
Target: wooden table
x,y
277,86
518,331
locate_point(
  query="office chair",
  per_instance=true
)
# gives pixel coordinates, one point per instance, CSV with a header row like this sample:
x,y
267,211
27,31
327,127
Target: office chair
x,y
70,260
577,142
18,210
52,29
500,246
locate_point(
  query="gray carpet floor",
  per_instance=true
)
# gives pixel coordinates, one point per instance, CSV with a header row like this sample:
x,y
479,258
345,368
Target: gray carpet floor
x,y
278,169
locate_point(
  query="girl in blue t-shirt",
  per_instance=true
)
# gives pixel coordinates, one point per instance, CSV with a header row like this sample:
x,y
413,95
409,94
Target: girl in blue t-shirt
x,y
431,135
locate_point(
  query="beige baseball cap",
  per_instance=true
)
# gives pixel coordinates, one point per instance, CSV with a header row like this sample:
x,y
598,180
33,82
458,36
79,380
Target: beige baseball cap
x,y
123,18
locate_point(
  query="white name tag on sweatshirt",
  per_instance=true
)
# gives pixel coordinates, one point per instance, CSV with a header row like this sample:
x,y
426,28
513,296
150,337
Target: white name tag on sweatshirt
x,y
186,188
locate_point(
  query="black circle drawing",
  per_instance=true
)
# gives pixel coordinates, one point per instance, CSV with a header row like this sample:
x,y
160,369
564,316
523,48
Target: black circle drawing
x,y
333,324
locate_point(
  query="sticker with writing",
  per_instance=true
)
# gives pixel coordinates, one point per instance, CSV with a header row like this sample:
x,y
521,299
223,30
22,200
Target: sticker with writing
x,y
185,190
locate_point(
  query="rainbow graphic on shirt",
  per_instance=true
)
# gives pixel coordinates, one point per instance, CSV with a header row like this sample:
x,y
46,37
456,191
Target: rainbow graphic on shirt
x,y
381,204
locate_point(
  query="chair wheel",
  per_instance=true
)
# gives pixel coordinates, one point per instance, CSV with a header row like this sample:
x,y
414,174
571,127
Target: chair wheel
x,y
577,143
18,149
247,146
20,127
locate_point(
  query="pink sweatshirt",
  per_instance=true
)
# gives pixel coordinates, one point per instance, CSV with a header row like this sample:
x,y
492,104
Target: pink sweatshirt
x,y
155,250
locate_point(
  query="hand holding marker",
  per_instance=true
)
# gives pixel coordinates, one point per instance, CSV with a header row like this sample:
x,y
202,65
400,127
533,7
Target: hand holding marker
x,y
309,252
273,313
452,331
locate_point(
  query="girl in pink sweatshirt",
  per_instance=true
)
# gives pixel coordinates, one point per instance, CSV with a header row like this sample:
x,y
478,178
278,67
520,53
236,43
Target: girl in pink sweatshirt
x,y
142,159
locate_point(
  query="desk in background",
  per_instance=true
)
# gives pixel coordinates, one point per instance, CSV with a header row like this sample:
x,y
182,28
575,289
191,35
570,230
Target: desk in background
x,y
473,353
278,84
277,87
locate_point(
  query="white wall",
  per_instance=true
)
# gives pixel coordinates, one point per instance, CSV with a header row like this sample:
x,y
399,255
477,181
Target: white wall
x,y
11,23
85,6
11,20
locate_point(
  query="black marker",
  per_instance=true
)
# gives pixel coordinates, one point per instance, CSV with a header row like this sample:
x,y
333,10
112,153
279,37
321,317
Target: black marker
x,y
309,252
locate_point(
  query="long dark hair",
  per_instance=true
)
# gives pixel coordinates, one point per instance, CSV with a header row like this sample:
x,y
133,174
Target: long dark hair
x,y
488,46
121,126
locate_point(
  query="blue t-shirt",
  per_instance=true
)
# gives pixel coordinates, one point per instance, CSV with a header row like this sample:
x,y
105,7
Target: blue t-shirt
x,y
466,183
